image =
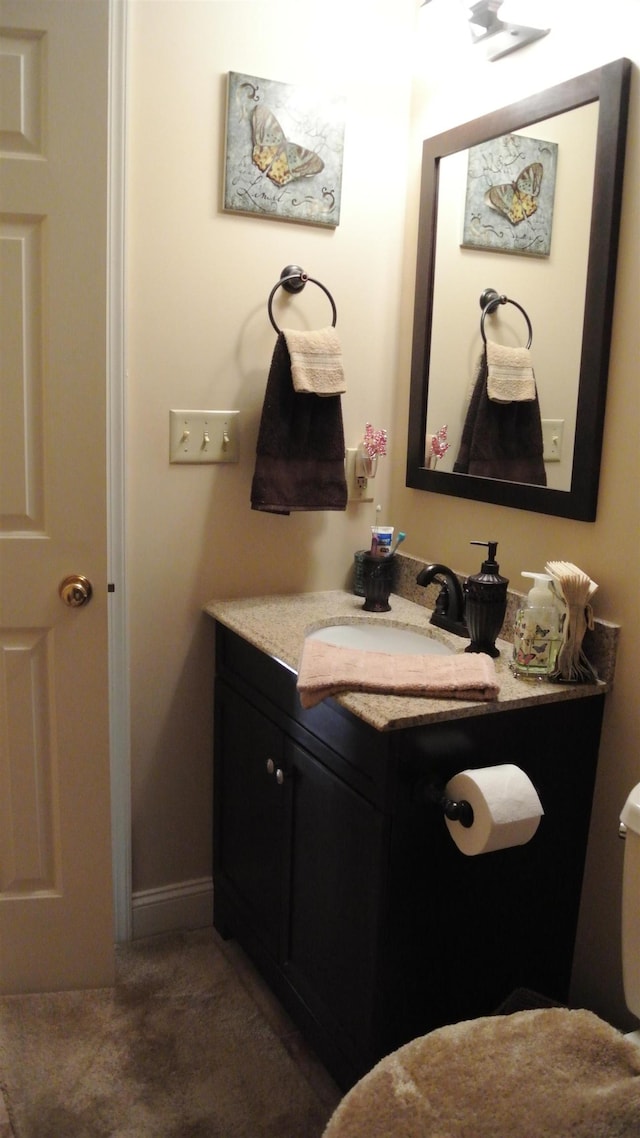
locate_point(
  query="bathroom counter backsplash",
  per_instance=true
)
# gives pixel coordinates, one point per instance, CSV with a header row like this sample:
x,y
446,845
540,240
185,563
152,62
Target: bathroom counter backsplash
x,y
277,625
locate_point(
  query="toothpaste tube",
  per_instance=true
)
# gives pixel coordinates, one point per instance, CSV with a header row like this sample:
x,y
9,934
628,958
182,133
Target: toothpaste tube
x,y
381,538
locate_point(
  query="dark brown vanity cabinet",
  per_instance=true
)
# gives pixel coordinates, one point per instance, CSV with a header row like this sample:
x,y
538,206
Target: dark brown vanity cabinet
x,y
336,873
297,857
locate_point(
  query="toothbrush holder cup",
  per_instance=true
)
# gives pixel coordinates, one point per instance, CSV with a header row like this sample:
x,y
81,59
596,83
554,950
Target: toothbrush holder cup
x,y
377,581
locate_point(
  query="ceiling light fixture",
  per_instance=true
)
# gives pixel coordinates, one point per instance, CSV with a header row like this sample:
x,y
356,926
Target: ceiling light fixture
x,y
495,35
494,27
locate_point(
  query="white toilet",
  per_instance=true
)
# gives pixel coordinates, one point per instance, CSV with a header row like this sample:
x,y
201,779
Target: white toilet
x,y
630,830
566,1069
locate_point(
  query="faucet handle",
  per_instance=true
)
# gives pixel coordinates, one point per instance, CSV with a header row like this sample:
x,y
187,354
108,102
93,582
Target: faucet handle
x,y
443,599
449,608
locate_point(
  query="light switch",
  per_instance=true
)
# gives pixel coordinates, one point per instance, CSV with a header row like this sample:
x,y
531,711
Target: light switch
x,y
203,436
552,431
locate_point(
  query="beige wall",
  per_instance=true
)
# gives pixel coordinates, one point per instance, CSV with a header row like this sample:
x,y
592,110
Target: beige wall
x,y
199,336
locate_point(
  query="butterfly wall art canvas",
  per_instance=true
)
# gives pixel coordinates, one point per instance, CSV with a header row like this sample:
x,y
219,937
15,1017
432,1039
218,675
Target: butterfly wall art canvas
x,y
284,151
510,192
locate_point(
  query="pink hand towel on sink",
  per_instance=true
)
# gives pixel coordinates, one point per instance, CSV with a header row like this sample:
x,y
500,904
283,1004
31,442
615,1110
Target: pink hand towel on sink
x,y
327,670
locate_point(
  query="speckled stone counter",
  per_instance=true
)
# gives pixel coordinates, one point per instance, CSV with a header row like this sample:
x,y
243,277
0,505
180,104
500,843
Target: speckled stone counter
x,y
278,625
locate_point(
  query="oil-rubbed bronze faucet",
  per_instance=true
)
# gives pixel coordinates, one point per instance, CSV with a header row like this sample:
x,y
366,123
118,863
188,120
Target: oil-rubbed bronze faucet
x,y
449,610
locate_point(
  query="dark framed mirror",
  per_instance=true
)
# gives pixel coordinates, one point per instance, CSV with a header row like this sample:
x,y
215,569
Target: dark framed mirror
x,y
567,293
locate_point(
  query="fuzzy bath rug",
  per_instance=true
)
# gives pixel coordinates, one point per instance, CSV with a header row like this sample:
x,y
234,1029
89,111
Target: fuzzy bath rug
x,y
549,1073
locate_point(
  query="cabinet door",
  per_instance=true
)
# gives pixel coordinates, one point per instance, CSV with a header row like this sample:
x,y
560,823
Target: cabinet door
x,y
249,810
336,896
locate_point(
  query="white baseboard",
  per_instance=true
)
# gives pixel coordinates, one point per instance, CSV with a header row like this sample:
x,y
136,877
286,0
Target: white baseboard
x,y
171,908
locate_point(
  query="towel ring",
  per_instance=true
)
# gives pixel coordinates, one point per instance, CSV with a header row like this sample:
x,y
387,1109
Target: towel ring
x,y
293,279
489,301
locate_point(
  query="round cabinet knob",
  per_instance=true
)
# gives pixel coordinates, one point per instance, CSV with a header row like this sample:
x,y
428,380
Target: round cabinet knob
x,y
279,776
271,766
76,590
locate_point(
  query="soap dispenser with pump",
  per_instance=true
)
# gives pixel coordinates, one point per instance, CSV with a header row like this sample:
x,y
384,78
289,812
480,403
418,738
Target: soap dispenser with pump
x,y
538,630
485,603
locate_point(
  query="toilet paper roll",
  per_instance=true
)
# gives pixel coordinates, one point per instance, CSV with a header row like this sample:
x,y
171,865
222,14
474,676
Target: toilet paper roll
x,y
506,808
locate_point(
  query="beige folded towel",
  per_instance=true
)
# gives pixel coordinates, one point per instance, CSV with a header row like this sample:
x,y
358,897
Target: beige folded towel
x,y
510,377
326,670
316,361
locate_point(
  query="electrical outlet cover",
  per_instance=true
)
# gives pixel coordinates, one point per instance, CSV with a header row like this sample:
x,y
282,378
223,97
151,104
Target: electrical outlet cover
x,y
357,491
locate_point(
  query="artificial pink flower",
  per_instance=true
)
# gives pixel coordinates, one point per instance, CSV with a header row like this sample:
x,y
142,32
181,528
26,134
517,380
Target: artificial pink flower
x,y
374,442
439,444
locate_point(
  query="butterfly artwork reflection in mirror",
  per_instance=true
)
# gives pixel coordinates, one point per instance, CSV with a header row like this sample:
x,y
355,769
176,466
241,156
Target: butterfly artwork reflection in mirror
x,y
517,200
284,151
509,195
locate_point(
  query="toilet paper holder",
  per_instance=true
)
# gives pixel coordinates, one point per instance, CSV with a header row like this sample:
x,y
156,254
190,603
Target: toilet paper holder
x,y
456,811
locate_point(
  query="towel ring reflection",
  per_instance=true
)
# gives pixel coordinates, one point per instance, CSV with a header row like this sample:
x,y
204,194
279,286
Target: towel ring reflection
x,y
490,300
293,279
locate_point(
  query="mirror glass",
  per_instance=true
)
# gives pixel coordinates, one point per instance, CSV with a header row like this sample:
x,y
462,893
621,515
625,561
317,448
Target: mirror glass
x,y
545,238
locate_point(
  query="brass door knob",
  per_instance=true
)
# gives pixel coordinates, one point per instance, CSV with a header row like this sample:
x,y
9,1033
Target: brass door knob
x,y
76,590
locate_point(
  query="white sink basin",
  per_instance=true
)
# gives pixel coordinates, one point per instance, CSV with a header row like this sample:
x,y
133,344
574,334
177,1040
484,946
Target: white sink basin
x,y
381,638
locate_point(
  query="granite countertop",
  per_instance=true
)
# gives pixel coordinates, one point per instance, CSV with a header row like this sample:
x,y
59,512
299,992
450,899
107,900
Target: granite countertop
x,y
277,625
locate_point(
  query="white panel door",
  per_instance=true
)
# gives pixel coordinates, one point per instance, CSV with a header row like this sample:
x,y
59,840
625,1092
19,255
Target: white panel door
x,y
56,909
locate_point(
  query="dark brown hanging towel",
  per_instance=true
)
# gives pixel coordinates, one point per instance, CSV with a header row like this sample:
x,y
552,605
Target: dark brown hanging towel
x,y
300,450
501,440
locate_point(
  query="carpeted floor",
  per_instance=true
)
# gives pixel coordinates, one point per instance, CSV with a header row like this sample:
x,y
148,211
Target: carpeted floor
x,y
189,1044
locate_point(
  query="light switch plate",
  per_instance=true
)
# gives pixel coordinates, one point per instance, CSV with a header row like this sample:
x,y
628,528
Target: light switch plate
x,y
552,431
203,436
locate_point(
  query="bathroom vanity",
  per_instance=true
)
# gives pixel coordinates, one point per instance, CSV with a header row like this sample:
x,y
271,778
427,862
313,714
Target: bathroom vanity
x,y
336,872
